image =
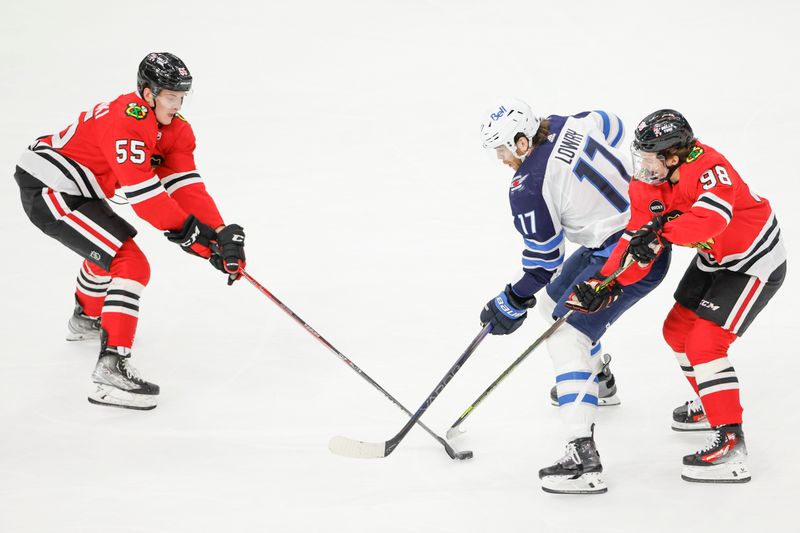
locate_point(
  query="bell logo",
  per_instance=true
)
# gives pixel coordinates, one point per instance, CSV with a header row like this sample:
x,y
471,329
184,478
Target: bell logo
x,y
499,113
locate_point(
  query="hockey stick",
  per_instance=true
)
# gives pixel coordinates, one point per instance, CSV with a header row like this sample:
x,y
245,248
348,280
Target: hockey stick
x,y
374,450
454,430
449,449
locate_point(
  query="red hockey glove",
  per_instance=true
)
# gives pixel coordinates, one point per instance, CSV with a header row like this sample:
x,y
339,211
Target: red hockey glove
x,y
589,297
229,253
195,237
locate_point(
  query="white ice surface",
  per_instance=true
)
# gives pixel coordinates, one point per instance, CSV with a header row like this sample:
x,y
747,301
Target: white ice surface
x,y
343,137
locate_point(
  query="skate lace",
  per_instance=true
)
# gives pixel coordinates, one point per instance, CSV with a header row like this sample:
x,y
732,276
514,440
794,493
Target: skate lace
x,y
572,453
130,370
711,442
694,406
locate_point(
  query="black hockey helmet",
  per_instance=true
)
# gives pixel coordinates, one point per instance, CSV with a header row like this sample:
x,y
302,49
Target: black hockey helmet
x,y
662,130
162,70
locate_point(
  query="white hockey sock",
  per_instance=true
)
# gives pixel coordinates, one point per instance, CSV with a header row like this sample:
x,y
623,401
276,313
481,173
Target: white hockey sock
x,y
686,366
574,366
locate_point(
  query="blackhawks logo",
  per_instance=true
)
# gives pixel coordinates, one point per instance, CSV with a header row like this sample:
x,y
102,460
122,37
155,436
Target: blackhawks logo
x,y
695,154
136,111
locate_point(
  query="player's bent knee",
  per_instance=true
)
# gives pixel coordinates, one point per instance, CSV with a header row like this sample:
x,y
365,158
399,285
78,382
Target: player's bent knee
x,y
131,263
569,347
677,326
707,341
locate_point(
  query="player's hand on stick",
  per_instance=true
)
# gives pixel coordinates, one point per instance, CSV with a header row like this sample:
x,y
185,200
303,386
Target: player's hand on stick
x,y
593,295
647,242
194,238
506,311
229,255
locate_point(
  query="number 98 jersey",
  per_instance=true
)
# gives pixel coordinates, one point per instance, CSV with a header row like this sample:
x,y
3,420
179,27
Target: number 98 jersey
x,y
574,185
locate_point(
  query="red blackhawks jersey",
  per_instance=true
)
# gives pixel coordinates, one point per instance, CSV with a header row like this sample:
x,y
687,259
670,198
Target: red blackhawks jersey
x,y
120,146
731,227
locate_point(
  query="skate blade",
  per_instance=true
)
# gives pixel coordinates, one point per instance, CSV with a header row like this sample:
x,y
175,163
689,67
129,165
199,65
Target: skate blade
x,y
734,472
696,426
82,337
113,397
590,483
610,401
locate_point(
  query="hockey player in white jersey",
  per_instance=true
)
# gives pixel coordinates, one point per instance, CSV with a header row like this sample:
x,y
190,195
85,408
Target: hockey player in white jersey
x,y
570,182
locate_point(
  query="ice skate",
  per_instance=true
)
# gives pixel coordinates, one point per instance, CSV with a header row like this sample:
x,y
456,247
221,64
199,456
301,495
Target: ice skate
x,y
690,417
607,394
722,460
82,327
578,472
117,383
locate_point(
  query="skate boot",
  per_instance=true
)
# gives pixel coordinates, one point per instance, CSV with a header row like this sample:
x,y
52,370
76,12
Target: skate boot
x,y
117,383
690,417
607,393
578,472
722,460
82,327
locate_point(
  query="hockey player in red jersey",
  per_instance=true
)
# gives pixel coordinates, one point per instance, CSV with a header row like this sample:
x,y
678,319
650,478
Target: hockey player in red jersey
x,y
139,145
687,193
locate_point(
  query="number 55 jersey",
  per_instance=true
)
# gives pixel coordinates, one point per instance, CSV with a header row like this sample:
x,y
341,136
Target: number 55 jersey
x,y
574,185
731,227
121,146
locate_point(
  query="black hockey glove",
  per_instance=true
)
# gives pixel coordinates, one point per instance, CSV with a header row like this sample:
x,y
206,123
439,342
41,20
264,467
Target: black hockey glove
x,y
229,253
647,242
195,237
589,297
506,311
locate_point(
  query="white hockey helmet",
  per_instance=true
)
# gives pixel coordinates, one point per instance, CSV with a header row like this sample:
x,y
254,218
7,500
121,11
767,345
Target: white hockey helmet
x,y
507,118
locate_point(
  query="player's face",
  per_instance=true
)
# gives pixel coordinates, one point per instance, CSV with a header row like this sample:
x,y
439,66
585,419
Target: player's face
x,y
513,160
168,103
649,167
507,158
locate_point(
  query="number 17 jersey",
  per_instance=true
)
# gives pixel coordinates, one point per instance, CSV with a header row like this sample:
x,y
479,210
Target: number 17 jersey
x,y
573,186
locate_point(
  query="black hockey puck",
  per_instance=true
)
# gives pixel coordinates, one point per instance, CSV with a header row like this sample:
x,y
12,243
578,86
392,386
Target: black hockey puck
x,y
463,456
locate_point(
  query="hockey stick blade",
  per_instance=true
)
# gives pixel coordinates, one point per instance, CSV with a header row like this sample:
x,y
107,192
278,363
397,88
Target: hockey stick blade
x,y
357,449
454,432
376,450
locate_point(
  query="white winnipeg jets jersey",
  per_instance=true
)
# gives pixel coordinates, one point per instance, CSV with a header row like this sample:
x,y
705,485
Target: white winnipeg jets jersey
x,y
574,185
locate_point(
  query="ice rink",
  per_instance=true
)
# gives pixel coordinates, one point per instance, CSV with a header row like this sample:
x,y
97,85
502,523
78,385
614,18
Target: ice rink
x,y
343,136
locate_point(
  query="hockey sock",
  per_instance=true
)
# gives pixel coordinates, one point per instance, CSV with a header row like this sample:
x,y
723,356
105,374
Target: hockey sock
x,y
678,324
130,273
688,370
90,288
570,351
717,383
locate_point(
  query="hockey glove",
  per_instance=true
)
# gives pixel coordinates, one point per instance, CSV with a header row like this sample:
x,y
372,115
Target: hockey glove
x,y
647,242
589,296
506,311
229,253
195,237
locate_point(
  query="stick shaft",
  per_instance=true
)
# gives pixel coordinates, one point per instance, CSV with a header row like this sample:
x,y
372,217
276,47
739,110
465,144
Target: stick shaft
x,y
341,356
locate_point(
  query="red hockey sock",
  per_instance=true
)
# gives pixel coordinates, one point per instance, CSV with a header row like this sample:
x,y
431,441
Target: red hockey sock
x,y
130,272
90,288
677,326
